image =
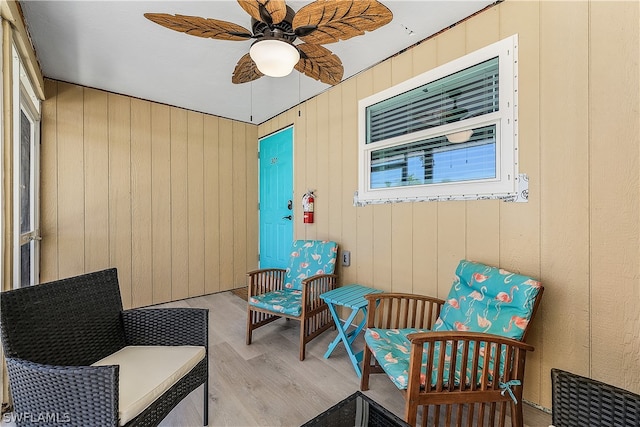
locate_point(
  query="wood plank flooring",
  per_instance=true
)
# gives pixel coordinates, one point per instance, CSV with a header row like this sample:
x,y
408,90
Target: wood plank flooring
x,y
265,384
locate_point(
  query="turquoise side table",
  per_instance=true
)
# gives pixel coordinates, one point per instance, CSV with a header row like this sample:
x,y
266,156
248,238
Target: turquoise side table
x,y
351,296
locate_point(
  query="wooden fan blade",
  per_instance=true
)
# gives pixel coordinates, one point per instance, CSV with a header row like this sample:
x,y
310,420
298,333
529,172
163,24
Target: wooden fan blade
x,y
319,63
276,10
336,20
200,27
245,70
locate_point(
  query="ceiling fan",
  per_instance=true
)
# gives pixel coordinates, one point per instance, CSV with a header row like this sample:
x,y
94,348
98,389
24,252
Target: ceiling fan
x,y
275,27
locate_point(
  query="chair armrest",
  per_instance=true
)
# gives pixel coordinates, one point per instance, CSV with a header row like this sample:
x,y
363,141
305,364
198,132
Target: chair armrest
x,y
47,394
314,286
166,326
400,310
420,338
506,357
265,280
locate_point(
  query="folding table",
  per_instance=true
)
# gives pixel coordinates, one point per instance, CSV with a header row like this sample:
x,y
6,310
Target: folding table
x,y
351,296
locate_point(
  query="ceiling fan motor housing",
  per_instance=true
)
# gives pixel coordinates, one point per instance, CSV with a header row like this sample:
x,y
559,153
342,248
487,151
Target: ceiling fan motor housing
x,y
283,30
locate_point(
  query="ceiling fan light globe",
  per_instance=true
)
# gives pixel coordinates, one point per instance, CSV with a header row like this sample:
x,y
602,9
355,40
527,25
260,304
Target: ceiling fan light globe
x,y
274,58
460,136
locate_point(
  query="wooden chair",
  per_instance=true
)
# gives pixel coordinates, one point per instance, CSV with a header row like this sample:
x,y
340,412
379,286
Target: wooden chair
x,y
461,359
294,293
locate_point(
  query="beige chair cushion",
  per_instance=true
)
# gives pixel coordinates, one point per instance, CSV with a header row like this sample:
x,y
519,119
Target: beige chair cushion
x,y
148,371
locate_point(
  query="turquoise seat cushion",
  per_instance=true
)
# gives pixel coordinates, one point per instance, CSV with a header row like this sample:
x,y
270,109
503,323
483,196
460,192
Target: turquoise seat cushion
x,y
488,299
285,301
392,348
308,258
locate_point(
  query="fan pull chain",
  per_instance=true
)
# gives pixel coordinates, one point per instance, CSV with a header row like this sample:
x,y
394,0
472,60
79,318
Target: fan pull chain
x,y
251,107
299,97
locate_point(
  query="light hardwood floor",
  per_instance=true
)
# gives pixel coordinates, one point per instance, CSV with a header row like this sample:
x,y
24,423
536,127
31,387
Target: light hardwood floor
x,y
265,384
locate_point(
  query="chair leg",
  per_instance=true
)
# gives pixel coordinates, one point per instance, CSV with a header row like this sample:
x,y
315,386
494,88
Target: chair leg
x,y
249,327
517,419
302,340
410,412
206,402
366,369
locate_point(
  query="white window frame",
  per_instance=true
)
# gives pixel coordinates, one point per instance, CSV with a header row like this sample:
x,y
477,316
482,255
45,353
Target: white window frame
x,y
504,185
25,99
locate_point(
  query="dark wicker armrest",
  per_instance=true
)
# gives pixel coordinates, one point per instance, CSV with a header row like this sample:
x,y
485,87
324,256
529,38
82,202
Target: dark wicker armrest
x,y
166,326
69,395
582,401
265,280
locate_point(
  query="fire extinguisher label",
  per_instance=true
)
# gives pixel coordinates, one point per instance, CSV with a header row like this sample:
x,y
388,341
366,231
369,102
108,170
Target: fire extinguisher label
x,y
309,206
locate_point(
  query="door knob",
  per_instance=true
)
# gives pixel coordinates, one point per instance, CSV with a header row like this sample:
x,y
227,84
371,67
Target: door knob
x,y
290,205
287,217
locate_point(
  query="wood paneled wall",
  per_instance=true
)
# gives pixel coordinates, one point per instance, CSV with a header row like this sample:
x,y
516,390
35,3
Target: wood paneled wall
x,y
169,196
578,142
166,195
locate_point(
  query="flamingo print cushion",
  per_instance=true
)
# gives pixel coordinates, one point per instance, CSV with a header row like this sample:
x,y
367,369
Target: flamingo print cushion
x,y
285,301
392,348
488,299
308,258
482,299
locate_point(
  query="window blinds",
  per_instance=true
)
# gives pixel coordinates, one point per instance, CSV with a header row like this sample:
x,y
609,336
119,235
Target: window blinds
x,y
467,93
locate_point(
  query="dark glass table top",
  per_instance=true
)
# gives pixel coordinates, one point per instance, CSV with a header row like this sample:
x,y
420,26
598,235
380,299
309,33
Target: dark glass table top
x,y
356,410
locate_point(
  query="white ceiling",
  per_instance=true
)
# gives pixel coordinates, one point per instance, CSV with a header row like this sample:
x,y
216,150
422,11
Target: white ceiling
x,y
110,45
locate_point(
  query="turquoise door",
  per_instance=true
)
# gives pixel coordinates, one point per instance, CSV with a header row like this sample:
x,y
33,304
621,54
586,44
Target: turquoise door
x,y
276,198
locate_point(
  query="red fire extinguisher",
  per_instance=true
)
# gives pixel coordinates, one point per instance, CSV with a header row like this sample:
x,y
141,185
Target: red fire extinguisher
x,y
307,207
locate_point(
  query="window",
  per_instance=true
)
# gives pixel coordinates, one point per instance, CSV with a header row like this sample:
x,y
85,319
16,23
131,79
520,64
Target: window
x,y
450,133
26,178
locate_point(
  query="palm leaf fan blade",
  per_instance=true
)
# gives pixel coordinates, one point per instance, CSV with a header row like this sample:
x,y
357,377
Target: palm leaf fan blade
x,y
200,27
319,63
265,10
339,20
245,71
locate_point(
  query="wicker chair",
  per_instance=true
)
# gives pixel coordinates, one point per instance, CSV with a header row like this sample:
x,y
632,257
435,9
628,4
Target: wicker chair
x,y
580,401
294,293
446,355
53,333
